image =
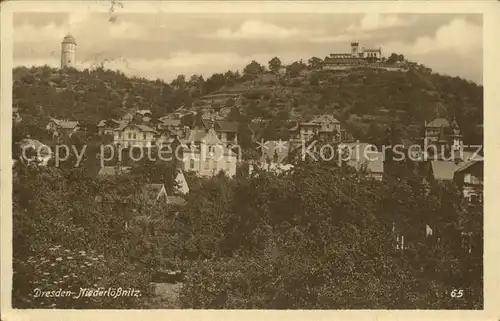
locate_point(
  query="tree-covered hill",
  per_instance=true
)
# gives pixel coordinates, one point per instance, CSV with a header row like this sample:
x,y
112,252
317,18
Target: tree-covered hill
x,y
364,100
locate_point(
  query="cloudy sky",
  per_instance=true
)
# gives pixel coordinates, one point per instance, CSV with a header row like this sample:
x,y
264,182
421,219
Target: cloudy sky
x,y
162,45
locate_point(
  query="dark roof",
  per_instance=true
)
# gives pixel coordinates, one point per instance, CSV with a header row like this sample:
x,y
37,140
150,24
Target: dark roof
x,y
113,170
175,200
466,165
69,39
438,122
222,125
64,123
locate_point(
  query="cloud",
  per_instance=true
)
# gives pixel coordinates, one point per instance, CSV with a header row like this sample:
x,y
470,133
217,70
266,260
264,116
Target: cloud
x,y
257,30
454,49
340,38
29,33
366,28
462,37
375,21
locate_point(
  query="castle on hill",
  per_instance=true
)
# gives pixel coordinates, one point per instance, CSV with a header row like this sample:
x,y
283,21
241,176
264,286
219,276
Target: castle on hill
x,y
357,56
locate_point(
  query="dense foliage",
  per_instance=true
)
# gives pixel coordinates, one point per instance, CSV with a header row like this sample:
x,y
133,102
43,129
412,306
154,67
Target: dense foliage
x,y
317,237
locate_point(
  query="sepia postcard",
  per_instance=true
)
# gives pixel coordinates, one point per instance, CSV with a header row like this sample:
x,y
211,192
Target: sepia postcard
x,y
172,160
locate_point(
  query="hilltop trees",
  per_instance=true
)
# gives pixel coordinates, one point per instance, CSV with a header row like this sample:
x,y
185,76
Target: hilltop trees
x,y
275,64
253,68
315,63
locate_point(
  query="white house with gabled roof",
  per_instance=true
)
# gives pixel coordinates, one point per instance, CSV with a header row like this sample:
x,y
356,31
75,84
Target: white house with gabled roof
x,y
128,135
205,154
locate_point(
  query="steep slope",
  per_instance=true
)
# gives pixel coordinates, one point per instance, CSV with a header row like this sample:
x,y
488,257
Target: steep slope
x,y
362,99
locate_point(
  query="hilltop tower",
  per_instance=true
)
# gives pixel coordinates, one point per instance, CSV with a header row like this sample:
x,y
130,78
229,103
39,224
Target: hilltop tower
x,y
68,51
355,49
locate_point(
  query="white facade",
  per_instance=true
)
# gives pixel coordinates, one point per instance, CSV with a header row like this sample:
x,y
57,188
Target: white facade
x,y
210,157
68,52
134,135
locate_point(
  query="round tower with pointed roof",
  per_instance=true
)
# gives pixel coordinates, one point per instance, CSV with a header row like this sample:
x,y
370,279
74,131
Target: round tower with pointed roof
x,y
68,51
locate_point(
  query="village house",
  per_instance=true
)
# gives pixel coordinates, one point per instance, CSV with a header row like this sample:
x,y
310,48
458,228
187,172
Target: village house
x,y
158,193
324,127
128,135
206,155
469,179
226,131
107,127
364,157
58,127
442,138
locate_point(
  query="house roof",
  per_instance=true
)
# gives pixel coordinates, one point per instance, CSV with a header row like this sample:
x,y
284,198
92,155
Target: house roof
x,y
103,122
195,136
154,190
222,125
142,128
211,138
112,170
325,119
69,39
438,122
175,200
170,122
143,112
466,165
65,123
443,170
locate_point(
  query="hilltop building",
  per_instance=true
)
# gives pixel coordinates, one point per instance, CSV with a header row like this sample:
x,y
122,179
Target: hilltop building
x,y
357,56
68,52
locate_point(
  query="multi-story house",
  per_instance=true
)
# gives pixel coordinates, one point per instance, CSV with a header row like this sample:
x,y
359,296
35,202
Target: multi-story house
x,y
324,126
442,138
469,178
206,155
107,127
59,127
128,135
226,131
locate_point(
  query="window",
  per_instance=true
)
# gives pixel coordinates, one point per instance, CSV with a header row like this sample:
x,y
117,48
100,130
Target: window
x,y
144,135
191,163
135,136
129,136
207,164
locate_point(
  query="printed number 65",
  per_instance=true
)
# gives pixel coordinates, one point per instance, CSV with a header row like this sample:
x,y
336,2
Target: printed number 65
x,y
457,293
